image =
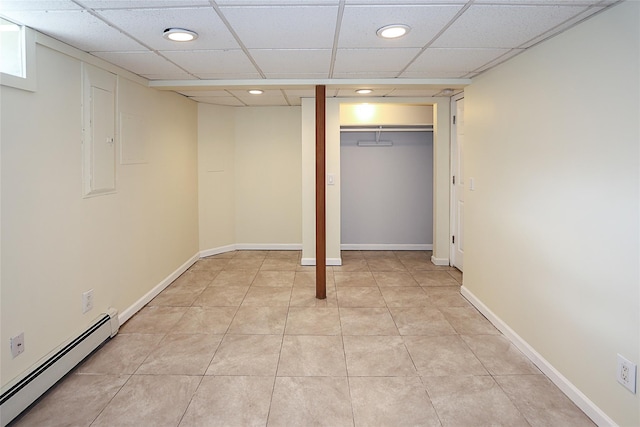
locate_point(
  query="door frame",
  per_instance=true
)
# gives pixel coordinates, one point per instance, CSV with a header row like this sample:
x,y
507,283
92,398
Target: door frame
x,y
453,223
441,191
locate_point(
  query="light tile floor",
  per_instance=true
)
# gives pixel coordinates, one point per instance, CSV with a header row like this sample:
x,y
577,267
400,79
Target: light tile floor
x,y
240,340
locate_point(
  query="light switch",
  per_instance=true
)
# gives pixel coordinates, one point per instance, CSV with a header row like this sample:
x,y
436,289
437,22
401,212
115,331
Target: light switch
x,y
330,179
472,184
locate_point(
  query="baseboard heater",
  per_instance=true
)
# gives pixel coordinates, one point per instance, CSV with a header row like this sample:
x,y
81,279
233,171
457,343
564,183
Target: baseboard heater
x,y
20,394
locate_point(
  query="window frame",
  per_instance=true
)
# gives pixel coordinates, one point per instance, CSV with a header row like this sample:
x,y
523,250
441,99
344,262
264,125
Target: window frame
x,y
28,82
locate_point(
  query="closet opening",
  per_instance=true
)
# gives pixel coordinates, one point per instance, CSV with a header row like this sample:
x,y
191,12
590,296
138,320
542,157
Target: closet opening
x,y
386,169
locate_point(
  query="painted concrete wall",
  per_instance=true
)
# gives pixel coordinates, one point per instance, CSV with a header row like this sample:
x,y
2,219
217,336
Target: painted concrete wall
x,y
57,244
268,191
250,177
216,176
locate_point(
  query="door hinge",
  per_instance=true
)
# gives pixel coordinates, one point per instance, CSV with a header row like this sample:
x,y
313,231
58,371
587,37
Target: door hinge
x,y
453,239
454,120
454,180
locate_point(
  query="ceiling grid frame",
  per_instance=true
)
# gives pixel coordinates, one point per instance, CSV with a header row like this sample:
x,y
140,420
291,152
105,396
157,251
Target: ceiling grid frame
x,y
321,46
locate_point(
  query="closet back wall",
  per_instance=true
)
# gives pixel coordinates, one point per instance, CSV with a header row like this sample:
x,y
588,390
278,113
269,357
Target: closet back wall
x,y
387,192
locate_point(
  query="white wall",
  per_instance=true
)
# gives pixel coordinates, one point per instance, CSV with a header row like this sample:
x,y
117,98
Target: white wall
x,y
552,228
56,244
387,192
250,177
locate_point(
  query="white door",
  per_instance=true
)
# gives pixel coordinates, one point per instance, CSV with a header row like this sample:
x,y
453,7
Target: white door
x,y
457,211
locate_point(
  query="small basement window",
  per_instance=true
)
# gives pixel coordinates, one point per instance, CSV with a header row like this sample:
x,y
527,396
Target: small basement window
x,y
17,55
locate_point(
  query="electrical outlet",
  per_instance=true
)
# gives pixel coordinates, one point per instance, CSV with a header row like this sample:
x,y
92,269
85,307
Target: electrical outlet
x,y
626,373
87,301
17,344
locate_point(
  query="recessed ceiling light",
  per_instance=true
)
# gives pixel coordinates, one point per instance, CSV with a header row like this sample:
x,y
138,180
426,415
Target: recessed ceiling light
x,y
393,31
179,35
255,92
363,91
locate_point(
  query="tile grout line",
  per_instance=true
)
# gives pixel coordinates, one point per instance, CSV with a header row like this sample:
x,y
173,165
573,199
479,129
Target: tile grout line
x,y
346,366
473,331
191,399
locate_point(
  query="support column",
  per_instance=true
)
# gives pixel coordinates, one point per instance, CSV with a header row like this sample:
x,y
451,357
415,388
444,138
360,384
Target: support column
x,y
321,223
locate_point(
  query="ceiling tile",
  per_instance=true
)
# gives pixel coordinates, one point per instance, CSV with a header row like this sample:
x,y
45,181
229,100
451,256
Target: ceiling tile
x,y
292,76
360,23
140,62
365,75
147,25
564,26
351,92
295,96
141,4
11,5
219,100
277,2
437,61
499,60
269,97
244,93
212,61
203,93
397,93
298,61
503,26
404,2
373,60
293,39
435,75
293,27
77,28
169,76
228,76
271,101
540,2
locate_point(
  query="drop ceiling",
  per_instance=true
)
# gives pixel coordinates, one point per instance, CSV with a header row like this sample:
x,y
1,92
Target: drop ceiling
x,y
286,46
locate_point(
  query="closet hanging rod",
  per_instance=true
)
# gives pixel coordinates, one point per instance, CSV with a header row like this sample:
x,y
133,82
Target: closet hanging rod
x,y
428,128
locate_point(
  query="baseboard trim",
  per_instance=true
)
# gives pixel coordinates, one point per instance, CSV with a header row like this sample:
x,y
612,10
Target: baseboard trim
x,y
312,261
386,247
572,392
217,251
23,391
440,261
251,247
268,246
137,306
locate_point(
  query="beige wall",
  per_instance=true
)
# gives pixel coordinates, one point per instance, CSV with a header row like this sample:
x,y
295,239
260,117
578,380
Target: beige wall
x,y
216,176
385,114
56,244
267,183
250,178
308,182
552,228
